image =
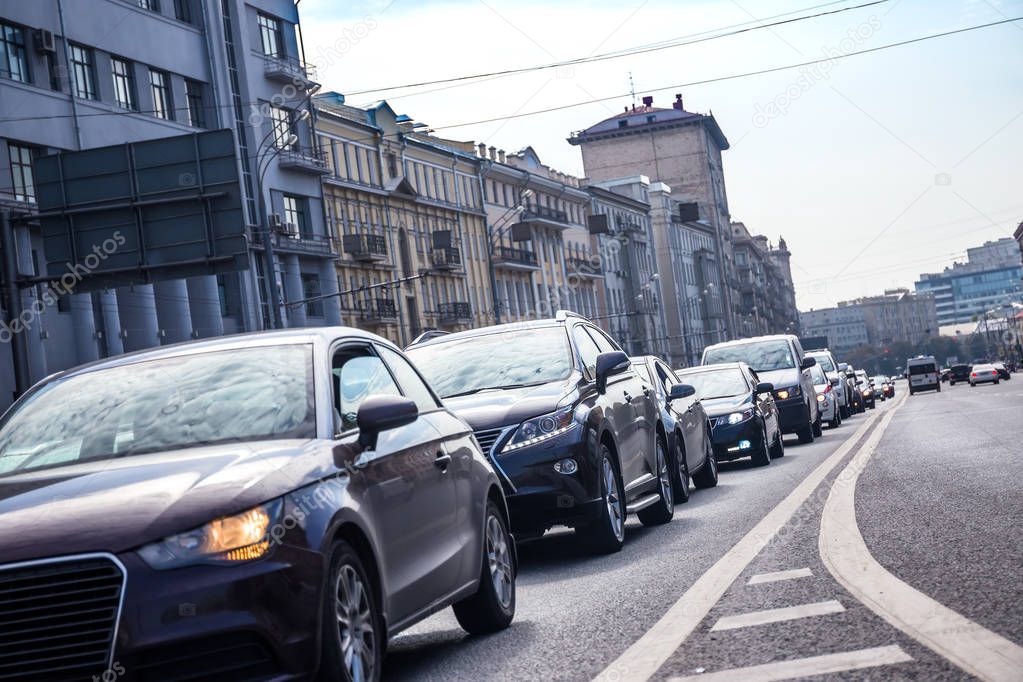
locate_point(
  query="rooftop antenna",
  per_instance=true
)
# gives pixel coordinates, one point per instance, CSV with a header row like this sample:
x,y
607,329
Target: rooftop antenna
x,y
632,90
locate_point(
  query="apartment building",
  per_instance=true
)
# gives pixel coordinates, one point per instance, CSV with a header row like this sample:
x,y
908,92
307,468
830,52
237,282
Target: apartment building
x,y
406,210
81,75
896,315
767,303
991,276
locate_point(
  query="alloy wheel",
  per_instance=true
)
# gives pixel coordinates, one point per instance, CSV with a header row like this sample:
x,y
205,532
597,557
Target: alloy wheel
x,y
667,494
499,559
613,500
355,623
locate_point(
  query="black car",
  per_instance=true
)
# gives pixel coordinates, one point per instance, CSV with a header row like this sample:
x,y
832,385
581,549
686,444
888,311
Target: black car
x,y
574,431
959,373
686,425
271,506
1003,371
742,411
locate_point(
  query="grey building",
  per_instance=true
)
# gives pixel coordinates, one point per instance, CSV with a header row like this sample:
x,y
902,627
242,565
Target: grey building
x,y
766,295
78,75
897,315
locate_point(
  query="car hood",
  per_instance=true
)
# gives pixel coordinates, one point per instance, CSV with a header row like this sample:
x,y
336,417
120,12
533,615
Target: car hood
x,y
715,407
781,378
116,505
496,409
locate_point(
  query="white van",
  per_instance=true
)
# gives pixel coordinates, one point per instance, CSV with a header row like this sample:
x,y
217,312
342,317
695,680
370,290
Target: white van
x,y
923,373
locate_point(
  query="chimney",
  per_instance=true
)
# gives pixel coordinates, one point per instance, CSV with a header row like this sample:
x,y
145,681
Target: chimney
x,y
500,155
626,109
648,101
493,153
483,150
677,104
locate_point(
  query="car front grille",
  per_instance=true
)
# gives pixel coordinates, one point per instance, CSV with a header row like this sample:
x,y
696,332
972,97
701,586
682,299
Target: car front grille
x,y
487,439
58,618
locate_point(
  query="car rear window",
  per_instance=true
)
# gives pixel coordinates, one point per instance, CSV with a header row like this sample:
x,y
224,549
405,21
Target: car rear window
x,y
922,369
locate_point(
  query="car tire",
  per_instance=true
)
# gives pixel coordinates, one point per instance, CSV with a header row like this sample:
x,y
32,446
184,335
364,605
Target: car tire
x,y
835,421
761,457
681,476
606,534
361,638
664,509
818,426
492,608
778,449
707,476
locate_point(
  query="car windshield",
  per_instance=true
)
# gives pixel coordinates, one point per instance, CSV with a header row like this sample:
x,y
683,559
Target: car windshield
x,y
762,356
165,404
716,383
506,359
825,362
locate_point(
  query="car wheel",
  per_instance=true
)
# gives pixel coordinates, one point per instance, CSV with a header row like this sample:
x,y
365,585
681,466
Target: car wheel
x,y
778,449
681,477
762,455
806,433
835,421
707,476
353,637
818,426
664,509
607,534
492,608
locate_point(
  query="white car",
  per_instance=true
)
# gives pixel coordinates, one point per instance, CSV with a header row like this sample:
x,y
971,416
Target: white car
x,y
984,374
827,362
827,395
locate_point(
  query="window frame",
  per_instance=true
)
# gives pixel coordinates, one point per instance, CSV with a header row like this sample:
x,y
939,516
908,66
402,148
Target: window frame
x,y
124,83
437,404
195,103
13,49
163,98
299,211
22,170
270,28
83,73
336,347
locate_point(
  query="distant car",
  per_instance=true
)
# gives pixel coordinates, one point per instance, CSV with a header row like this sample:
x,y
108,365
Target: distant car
x,y
958,373
1002,371
844,389
984,374
880,384
944,374
780,361
276,504
686,424
865,389
857,404
923,374
742,411
828,390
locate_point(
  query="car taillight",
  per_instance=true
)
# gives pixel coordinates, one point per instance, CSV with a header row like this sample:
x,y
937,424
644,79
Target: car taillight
x,y
974,375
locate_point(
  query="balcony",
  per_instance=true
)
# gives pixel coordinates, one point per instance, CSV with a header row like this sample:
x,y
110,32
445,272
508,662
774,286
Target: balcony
x,y
306,244
512,258
289,70
584,267
632,227
458,312
378,311
304,159
366,248
446,258
544,215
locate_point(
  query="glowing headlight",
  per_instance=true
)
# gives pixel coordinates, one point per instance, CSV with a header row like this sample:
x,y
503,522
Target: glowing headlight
x,y
821,398
866,391
737,417
539,429
785,393
230,540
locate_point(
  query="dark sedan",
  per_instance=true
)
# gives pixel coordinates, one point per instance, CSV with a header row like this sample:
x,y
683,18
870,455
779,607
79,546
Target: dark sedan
x,y
261,506
741,409
687,426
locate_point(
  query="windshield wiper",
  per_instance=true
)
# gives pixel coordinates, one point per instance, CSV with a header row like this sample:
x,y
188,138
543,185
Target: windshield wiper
x,y
494,388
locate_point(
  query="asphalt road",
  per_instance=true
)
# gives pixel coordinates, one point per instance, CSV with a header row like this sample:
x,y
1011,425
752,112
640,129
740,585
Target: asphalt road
x,y
937,505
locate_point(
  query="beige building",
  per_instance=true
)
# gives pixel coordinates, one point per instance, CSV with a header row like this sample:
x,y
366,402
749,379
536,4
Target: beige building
x,y
407,213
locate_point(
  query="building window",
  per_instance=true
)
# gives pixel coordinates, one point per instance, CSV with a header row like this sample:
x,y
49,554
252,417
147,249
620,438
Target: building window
x,y
283,127
21,172
151,5
193,93
159,84
392,164
124,83
183,10
53,70
294,213
270,35
310,290
83,72
13,64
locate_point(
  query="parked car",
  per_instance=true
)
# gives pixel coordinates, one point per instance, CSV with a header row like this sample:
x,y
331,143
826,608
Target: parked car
x,y
880,384
843,390
254,492
778,360
923,374
984,374
574,431
1003,373
958,373
828,389
865,389
742,410
686,426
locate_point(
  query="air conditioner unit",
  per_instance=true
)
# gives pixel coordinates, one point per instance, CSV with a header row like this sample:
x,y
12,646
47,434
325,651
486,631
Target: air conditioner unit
x,y
275,221
44,41
289,229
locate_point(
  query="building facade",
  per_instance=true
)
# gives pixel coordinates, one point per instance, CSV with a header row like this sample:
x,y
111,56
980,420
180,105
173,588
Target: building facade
x,y
69,82
991,276
767,299
897,315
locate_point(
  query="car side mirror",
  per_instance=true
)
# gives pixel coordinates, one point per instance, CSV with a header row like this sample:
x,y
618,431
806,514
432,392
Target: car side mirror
x,y
608,364
807,363
380,413
765,387
679,391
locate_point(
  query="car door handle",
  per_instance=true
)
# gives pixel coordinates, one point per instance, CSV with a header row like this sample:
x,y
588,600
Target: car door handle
x,y
442,461
628,398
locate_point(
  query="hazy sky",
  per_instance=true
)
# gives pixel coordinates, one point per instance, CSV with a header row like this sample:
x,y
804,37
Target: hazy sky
x,y
874,168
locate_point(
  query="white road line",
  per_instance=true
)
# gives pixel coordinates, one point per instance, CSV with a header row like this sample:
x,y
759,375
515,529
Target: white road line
x,y
774,577
745,620
648,653
806,667
978,651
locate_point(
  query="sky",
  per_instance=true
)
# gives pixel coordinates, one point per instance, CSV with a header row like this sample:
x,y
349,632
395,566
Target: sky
x,y
874,167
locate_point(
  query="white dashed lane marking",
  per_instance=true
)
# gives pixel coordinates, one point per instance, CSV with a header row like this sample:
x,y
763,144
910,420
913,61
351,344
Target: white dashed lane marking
x,y
745,620
806,667
776,576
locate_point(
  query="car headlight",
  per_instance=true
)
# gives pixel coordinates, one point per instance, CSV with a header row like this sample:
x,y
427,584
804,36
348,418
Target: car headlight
x,y
866,391
229,540
821,397
539,429
785,393
738,417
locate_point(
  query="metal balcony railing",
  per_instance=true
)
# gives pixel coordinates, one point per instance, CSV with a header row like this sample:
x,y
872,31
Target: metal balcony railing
x,y
446,258
586,267
545,213
365,247
510,255
288,70
378,311
304,159
454,312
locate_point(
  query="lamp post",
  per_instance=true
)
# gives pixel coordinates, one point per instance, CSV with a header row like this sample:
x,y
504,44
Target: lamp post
x,y
494,234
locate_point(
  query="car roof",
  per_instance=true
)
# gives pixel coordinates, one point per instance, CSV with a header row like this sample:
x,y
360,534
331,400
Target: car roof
x,y
753,339
714,366
494,329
